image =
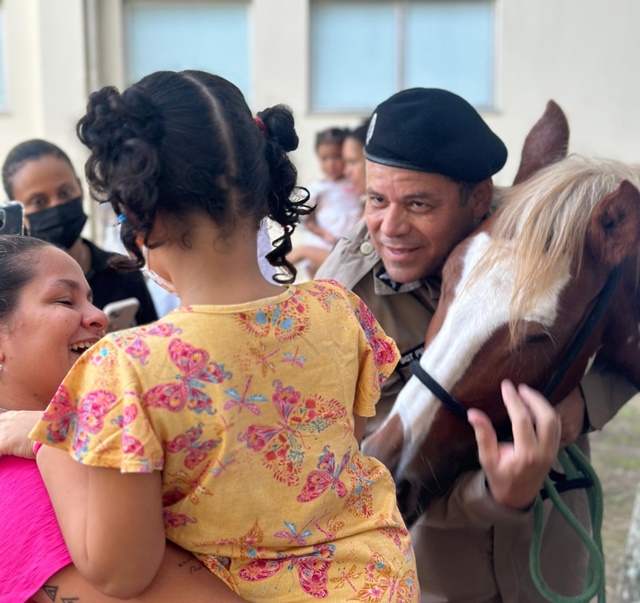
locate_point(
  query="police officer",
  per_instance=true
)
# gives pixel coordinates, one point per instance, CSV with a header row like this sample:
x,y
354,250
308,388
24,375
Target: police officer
x,y
430,161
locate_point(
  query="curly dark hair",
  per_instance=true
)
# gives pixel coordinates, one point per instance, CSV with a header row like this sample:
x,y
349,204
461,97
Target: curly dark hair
x,y
178,142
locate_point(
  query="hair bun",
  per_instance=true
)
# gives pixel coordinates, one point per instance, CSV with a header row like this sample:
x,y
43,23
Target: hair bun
x,y
280,126
141,115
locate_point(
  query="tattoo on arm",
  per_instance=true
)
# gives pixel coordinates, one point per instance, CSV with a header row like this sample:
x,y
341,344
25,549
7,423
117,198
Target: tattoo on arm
x,y
51,590
192,564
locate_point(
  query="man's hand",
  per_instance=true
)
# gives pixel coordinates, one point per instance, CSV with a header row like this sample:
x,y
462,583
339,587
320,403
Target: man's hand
x,y
571,411
516,470
15,426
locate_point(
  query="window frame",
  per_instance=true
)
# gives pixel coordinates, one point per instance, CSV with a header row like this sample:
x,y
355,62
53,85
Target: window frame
x,y
400,10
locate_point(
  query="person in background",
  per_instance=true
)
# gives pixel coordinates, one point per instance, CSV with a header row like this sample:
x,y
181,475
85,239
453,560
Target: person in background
x,y
354,160
337,205
47,321
40,175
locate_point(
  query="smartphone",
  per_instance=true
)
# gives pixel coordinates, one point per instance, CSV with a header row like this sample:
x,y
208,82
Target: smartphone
x,y
121,313
12,218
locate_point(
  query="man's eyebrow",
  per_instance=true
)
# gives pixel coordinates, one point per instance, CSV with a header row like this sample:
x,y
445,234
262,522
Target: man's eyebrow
x,y
421,195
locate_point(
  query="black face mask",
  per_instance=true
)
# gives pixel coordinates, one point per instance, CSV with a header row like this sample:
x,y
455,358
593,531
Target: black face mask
x,y
60,225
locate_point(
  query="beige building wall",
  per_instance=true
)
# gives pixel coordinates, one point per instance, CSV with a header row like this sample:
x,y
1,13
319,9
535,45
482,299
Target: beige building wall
x,y
581,53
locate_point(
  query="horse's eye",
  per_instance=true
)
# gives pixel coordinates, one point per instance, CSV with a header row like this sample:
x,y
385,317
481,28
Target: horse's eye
x,y
537,339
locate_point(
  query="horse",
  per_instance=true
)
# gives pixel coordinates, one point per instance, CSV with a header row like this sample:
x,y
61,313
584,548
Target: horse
x,y
513,295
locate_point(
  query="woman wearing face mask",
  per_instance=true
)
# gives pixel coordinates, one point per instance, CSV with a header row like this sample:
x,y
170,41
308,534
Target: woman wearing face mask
x,y
40,175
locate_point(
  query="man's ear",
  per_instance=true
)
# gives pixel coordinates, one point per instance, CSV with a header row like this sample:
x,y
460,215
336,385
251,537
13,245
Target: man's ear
x,y
481,198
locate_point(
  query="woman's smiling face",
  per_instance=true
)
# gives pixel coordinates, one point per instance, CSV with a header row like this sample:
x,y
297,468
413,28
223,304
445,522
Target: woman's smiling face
x,y
53,323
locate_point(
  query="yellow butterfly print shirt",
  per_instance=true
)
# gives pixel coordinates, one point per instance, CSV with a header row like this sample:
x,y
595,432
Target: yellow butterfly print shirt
x,y
248,411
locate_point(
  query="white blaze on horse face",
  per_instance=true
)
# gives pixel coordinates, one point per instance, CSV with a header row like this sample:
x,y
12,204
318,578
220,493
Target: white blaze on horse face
x,y
479,308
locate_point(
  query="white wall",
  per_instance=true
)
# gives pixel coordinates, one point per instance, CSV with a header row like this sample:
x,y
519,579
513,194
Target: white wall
x,y
581,53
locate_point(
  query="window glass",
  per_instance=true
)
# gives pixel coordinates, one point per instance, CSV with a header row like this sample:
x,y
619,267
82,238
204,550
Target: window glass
x,y
450,45
174,36
362,52
353,55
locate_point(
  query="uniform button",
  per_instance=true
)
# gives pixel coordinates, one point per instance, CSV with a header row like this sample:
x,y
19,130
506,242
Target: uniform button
x,y
366,248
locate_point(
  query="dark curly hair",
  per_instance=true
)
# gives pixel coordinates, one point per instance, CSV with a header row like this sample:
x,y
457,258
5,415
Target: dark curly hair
x,y
177,142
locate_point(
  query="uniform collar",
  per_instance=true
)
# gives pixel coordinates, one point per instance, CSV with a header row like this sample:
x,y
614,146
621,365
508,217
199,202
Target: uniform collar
x,y
383,284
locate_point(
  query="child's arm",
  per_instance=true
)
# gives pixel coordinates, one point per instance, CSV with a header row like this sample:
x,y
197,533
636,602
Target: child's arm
x,y
112,522
181,578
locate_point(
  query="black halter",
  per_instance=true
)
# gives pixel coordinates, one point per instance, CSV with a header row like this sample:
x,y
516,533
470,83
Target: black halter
x,y
580,338
578,341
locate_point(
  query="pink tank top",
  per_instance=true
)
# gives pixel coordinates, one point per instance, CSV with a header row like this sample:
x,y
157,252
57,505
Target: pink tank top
x,y
31,546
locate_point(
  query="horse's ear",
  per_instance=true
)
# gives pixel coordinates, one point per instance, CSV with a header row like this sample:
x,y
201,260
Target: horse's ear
x,y
614,227
546,143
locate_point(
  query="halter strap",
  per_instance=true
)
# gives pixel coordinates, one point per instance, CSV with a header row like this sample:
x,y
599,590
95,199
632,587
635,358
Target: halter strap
x,y
587,327
442,394
580,338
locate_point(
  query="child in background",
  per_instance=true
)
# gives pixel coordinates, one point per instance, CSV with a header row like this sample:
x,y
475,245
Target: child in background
x,y
232,425
337,205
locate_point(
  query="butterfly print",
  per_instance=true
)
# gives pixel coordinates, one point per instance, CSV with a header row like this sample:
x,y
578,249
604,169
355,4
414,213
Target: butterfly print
x,y
60,416
177,520
134,341
263,358
282,443
346,578
196,451
130,444
248,544
294,359
393,530
292,535
288,320
324,295
87,417
383,351
333,528
186,485
312,570
382,583
242,401
222,466
195,371
363,478
325,477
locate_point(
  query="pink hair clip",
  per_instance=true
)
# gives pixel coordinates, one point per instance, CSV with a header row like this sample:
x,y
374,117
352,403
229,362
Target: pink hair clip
x,y
261,126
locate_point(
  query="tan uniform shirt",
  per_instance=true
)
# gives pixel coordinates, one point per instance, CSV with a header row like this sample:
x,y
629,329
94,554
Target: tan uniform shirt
x,y
468,548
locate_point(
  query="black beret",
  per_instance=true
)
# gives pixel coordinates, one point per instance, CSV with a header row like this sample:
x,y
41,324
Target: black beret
x,y
436,131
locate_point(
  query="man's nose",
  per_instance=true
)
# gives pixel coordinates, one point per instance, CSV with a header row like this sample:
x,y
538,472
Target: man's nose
x,y
394,222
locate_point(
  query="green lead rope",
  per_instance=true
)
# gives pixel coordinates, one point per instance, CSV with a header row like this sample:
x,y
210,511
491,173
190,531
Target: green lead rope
x,y
575,465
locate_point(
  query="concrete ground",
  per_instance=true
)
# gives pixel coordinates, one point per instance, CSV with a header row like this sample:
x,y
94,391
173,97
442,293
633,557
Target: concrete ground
x,y
615,455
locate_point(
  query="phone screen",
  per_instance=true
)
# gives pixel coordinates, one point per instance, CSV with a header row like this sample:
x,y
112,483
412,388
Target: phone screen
x,y
12,218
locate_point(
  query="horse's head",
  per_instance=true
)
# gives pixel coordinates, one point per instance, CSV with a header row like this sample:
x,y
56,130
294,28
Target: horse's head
x,y
513,295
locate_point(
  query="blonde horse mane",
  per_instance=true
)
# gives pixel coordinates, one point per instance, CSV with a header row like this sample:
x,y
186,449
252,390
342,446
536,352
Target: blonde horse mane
x,y
548,214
